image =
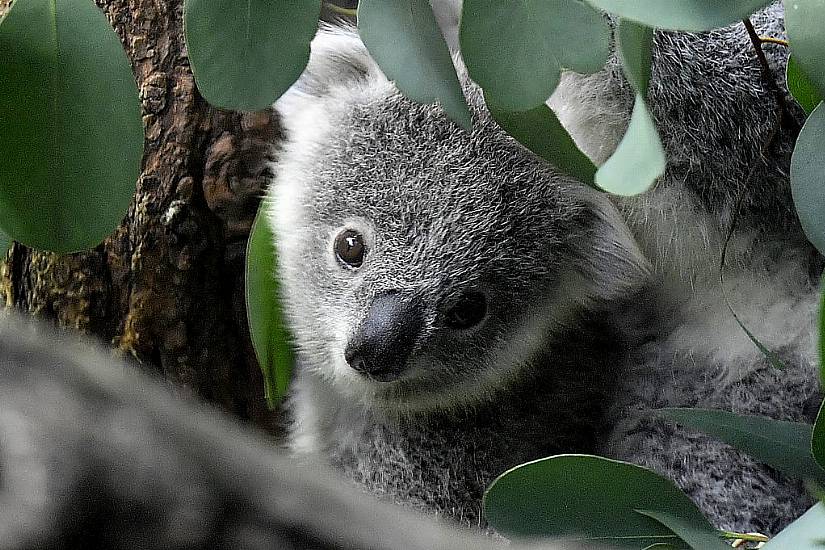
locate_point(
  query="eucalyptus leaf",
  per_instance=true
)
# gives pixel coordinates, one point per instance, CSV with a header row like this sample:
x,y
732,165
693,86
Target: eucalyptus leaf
x,y
808,177
801,87
636,52
783,445
541,132
685,15
72,134
697,537
804,21
639,160
516,50
267,327
584,497
806,533
404,39
818,440
245,54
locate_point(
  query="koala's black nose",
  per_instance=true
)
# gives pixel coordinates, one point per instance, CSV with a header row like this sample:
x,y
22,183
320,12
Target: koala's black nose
x,y
386,337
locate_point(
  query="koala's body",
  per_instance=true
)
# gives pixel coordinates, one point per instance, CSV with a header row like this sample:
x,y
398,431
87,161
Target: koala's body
x,y
460,307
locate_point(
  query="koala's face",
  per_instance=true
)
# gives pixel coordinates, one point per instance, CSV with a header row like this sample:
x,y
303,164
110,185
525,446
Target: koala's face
x,y
421,263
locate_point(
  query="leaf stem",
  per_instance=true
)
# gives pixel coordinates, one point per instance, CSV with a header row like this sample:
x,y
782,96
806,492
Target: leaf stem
x,y
747,537
341,11
768,78
772,40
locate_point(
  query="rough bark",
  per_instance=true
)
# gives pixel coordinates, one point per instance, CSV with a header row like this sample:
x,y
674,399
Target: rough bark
x,y
167,286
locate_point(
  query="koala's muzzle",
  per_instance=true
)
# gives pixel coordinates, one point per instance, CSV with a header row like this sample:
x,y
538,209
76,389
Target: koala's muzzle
x,y
386,337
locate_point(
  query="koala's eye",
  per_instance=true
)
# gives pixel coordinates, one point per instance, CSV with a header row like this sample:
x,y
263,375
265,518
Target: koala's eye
x,y
468,311
350,248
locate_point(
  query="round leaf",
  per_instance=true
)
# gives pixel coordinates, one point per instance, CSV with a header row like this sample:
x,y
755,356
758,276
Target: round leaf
x,y
263,308
541,132
808,177
586,497
686,15
516,50
804,21
71,125
801,87
244,55
404,39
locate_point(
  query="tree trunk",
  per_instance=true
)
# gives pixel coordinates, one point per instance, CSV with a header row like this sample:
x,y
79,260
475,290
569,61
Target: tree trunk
x,y
167,287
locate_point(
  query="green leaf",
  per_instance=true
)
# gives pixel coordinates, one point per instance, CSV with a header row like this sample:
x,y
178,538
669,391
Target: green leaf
x,y
636,52
697,537
72,134
639,160
818,440
808,175
806,533
801,87
685,15
404,39
263,309
245,54
541,132
804,21
516,50
783,445
586,497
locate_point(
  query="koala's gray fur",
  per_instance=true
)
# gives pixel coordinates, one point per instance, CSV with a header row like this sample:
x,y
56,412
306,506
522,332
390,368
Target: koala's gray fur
x,y
584,328
93,454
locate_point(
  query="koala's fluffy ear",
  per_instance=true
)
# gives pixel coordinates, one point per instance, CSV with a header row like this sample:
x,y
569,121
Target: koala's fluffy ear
x,y
612,265
338,63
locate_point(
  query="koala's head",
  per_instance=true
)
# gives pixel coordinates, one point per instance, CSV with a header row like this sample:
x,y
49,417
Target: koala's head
x,y
423,265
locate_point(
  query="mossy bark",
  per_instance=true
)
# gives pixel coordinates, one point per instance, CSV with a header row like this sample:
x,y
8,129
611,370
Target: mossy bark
x,y
166,288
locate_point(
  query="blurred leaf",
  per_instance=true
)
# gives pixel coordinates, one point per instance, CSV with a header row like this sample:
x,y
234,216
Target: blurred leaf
x,y
404,39
72,134
801,87
585,497
818,441
516,50
264,311
804,21
697,537
808,177
639,160
806,533
783,445
541,132
244,55
686,15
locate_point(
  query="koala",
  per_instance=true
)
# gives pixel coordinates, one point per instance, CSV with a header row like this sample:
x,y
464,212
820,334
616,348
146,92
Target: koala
x,y
459,306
